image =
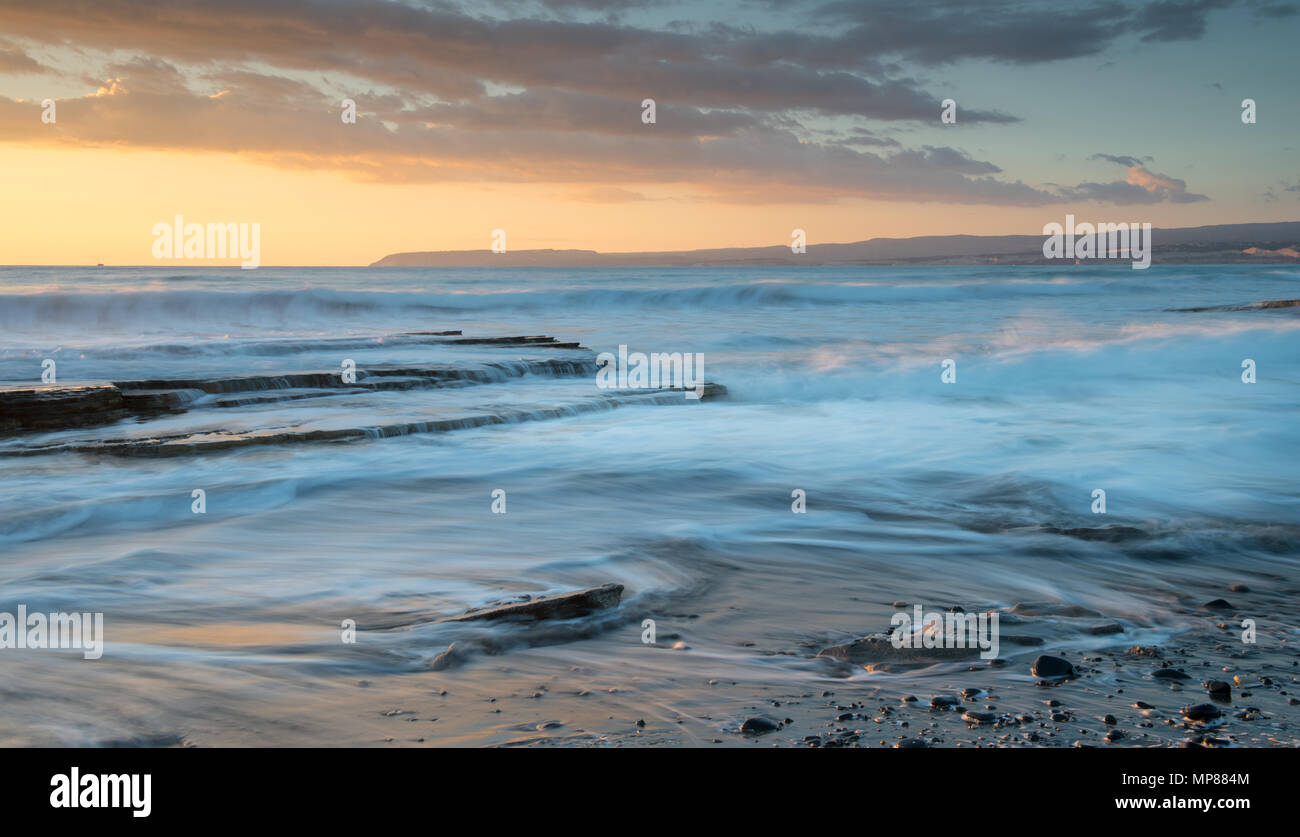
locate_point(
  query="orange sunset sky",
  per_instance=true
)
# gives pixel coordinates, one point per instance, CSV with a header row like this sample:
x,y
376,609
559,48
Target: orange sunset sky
x,y
527,117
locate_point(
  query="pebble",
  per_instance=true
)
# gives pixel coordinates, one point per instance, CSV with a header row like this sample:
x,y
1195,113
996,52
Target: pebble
x,y
1170,674
1201,712
1046,665
1218,688
758,726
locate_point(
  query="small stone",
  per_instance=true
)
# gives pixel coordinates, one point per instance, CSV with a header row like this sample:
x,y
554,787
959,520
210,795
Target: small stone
x,y
1201,712
446,659
1046,665
759,725
1170,674
1217,604
974,718
1218,688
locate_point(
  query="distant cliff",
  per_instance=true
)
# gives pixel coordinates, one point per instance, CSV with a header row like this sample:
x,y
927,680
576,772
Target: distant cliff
x,y
1271,243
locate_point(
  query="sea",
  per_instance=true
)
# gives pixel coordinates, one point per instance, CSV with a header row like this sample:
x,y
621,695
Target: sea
x,y
965,436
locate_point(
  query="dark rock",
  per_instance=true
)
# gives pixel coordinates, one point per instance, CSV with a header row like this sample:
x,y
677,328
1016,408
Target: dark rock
x,y
1048,666
758,725
146,401
559,606
1217,604
1170,674
943,702
1239,588
1053,609
1105,534
1218,688
1201,712
974,718
912,744
1103,628
878,648
57,407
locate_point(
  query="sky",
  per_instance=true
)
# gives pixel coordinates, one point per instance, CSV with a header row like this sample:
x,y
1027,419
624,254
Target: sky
x,y
528,116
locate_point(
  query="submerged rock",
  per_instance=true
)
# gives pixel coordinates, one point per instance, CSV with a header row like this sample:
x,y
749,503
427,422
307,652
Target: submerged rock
x,y
1053,609
877,648
558,606
447,659
1170,674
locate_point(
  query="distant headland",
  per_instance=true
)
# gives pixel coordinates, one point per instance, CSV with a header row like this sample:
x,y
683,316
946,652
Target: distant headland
x,y
1263,243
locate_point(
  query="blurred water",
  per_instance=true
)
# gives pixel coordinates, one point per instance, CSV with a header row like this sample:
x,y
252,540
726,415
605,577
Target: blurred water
x,y
1068,380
